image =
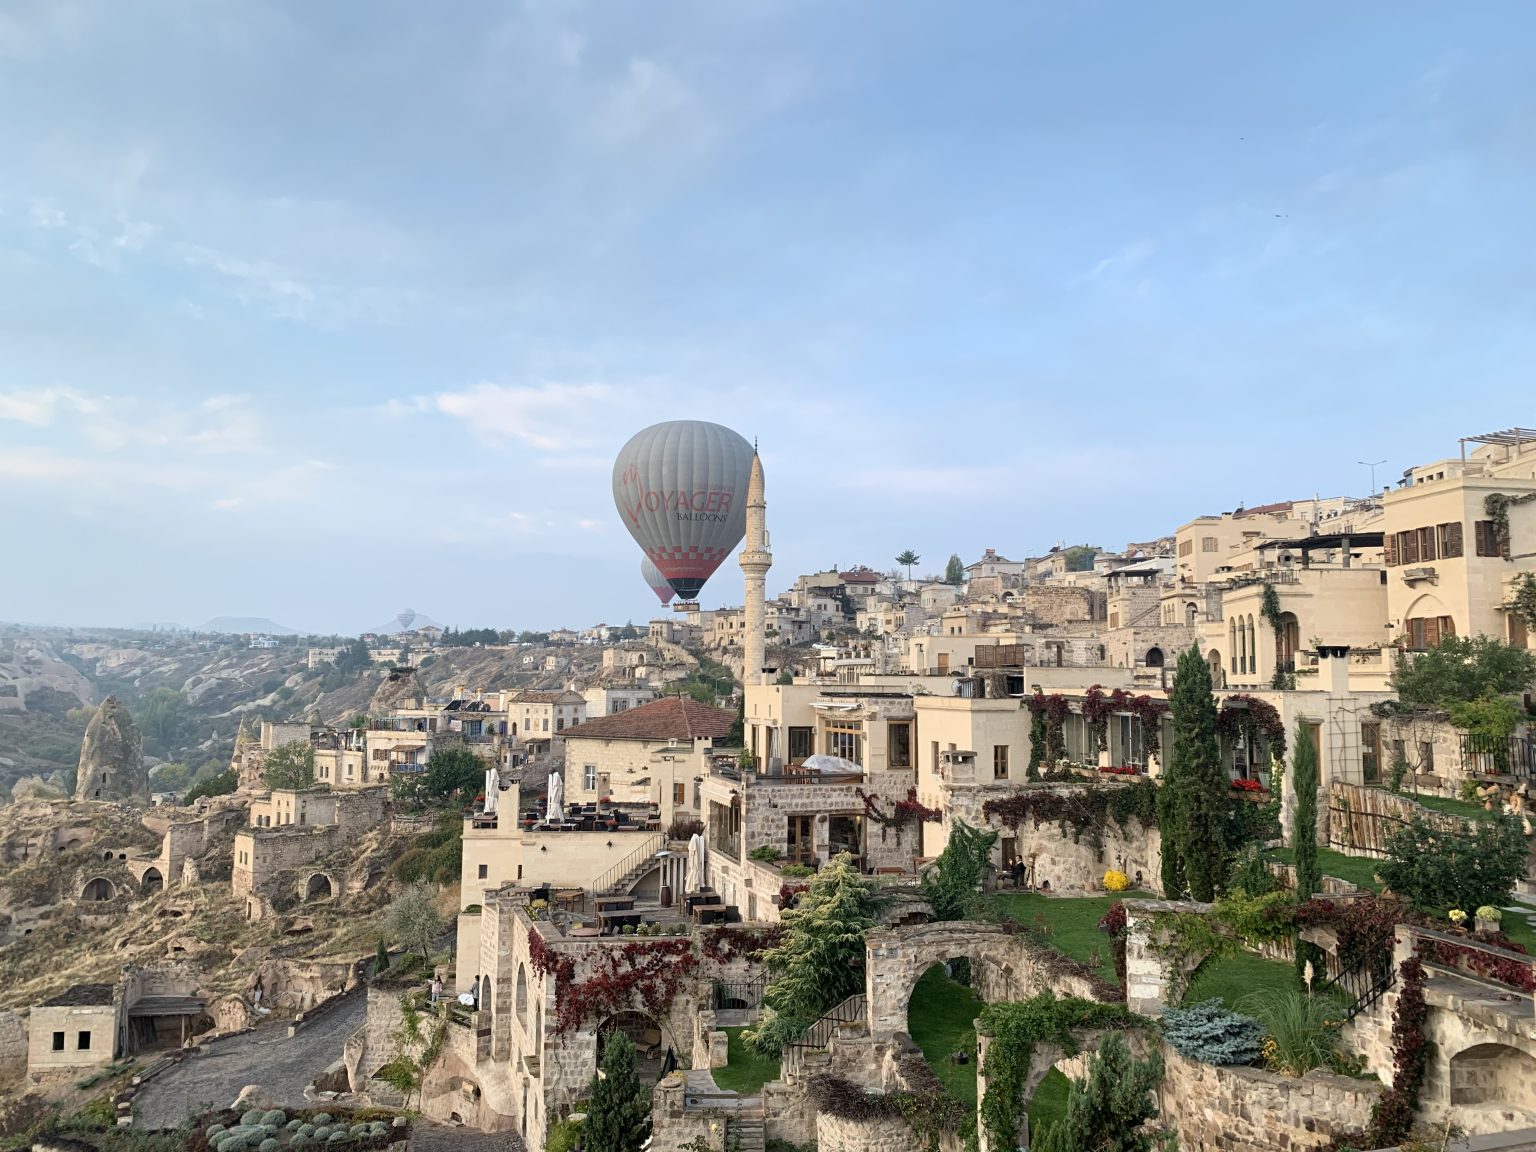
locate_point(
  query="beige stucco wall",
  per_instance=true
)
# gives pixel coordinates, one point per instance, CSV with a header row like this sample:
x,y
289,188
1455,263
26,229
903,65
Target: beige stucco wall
x,y
513,856
99,1020
625,762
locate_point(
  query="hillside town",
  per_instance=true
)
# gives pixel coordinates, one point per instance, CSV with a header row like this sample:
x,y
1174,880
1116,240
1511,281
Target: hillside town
x,y
1219,838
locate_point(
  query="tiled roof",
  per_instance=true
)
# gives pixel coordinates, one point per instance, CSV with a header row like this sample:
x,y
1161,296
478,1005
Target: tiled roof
x,y
670,718
81,995
547,697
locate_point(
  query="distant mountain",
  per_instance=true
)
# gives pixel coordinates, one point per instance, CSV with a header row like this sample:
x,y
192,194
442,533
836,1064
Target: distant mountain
x,y
408,620
240,625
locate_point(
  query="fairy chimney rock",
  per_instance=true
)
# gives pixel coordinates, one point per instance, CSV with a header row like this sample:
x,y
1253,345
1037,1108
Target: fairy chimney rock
x,y
112,757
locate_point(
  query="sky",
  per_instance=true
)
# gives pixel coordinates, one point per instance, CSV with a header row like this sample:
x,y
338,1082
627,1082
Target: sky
x,y
319,311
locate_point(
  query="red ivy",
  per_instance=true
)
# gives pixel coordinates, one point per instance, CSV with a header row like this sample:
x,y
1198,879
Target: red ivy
x,y
788,893
1120,769
1053,708
650,972
1392,1117
1113,925
722,943
1241,713
903,812
1506,970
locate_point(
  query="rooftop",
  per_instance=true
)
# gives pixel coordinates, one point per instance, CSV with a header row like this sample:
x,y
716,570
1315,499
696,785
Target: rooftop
x,y
561,696
670,718
80,996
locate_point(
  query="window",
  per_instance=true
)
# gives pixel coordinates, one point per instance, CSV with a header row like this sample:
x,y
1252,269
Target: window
x,y
1449,539
680,793
845,740
898,750
58,1041
999,761
1485,541
1426,756
83,1041
935,757
1370,752
801,743
589,777
1207,543
1426,545
1186,547
1428,631
559,725
482,872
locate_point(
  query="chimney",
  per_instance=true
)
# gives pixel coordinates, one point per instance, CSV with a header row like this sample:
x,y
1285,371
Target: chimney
x,y
1333,669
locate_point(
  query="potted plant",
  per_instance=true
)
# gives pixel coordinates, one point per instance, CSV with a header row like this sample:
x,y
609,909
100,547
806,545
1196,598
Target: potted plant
x,y
1488,918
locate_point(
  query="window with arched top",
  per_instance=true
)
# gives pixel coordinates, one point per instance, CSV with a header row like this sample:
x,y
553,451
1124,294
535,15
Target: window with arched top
x,y
522,996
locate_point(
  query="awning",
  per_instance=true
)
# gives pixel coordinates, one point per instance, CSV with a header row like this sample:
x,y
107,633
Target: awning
x,y
167,1006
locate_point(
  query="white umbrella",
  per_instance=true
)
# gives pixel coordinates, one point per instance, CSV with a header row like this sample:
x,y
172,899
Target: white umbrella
x,y
693,880
554,811
492,790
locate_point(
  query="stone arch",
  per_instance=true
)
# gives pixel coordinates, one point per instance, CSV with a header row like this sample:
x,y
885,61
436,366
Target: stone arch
x,y
319,887
637,1025
1218,673
98,888
485,993
1191,615
1155,657
521,1001
151,882
1493,1074
896,959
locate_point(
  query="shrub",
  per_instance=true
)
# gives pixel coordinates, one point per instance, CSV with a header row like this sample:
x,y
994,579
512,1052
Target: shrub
x,y
1211,1034
276,1116
1302,1029
270,1144
252,1118
1466,866
1116,881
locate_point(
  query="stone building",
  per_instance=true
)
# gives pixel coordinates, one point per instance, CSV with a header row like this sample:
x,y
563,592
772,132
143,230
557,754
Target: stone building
x,y
91,1025
112,757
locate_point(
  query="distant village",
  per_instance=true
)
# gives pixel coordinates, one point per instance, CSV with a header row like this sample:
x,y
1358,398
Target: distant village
x,y
650,820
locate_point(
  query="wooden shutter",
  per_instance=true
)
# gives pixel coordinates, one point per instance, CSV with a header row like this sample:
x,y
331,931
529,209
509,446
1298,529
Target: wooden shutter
x,y
1432,632
1409,547
1482,531
1452,540
1389,549
1447,626
1427,544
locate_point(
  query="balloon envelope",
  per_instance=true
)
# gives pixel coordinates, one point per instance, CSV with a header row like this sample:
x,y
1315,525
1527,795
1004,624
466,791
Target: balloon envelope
x,y
658,582
681,488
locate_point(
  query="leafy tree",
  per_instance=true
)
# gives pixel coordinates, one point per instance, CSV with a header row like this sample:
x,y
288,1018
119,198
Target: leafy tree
x,y
906,558
1461,669
171,777
163,718
820,961
1488,723
526,637
630,632
289,766
1080,558
413,918
1190,802
619,1117
1304,836
221,785
354,658
1105,1112
951,885
954,571
453,773
1522,602
1463,866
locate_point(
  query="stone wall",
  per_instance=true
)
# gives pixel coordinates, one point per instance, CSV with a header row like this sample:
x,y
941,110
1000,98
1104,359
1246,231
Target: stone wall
x,y
260,854
885,1135
1251,1110
13,1044
1059,605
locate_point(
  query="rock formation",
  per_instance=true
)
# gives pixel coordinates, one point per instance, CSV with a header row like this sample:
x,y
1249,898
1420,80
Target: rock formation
x,y
112,757
400,688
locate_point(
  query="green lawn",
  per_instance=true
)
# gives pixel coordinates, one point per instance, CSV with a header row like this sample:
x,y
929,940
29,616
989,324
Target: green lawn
x,y
1075,920
1233,977
941,1018
1517,928
1358,870
1454,807
747,1071
1050,1103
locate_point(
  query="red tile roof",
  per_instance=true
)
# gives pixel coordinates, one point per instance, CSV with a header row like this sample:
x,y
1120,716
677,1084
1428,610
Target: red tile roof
x,y
670,718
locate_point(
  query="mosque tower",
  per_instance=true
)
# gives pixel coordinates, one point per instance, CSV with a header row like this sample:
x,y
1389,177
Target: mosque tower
x,y
755,562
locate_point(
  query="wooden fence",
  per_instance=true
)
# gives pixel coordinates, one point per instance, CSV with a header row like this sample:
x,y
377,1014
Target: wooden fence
x,y
1362,820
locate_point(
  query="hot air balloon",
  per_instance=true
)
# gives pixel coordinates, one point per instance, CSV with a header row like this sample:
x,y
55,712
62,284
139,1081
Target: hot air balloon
x,y
658,583
681,488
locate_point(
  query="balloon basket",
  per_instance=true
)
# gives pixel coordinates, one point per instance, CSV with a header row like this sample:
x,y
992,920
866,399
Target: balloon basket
x,y
686,606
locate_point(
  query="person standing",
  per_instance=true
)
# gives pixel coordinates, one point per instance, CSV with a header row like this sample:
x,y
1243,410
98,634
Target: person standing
x,y
437,989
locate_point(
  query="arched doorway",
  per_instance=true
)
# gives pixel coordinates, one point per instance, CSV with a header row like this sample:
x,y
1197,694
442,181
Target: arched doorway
x,y
485,994
522,997
98,888
645,1033
151,882
318,888
940,1019
1493,1074
1288,642
1155,657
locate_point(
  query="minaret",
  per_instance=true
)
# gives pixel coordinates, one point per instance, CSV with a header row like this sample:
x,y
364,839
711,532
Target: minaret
x,y
755,562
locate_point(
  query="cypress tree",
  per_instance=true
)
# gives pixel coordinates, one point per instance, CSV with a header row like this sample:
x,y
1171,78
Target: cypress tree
x,y
1304,833
619,1117
1190,804
381,959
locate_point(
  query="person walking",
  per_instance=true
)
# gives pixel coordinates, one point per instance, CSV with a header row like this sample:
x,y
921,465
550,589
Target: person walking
x,y
437,989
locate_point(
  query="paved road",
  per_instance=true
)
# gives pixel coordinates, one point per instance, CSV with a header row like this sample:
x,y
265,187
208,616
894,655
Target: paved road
x,y
268,1057
429,1137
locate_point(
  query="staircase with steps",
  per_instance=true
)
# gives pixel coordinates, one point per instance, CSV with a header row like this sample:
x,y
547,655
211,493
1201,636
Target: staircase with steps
x,y
744,1131
622,877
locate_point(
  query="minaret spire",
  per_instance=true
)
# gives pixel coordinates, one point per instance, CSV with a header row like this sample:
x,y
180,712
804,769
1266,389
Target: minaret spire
x,y
755,562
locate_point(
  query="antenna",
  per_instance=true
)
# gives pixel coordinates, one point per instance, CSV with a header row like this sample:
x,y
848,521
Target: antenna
x,y
1372,465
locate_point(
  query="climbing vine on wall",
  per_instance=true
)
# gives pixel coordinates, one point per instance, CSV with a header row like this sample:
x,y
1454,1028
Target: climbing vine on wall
x,y
903,814
1249,717
1078,811
1051,713
1496,505
723,943
650,973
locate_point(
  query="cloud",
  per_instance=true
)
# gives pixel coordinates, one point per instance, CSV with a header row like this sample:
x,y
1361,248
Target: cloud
x,y
1127,259
550,417
39,407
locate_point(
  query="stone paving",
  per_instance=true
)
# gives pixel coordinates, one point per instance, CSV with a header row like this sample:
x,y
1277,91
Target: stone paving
x,y
281,1065
428,1137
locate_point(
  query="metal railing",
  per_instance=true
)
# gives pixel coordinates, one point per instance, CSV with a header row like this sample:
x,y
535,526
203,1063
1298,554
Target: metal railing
x,y
1491,756
737,995
854,1010
1365,981
633,863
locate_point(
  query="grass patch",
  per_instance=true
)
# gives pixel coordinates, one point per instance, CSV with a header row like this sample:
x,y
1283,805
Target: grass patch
x,y
1049,1105
1451,807
1518,928
747,1071
1233,977
941,1019
1358,870
1074,921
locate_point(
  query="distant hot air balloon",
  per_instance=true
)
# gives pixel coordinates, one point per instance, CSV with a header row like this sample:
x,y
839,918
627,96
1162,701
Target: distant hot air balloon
x,y
656,580
681,488
405,618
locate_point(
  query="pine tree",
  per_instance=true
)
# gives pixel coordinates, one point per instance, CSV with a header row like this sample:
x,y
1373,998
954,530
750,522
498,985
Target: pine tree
x,y
954,571
619,1117
820,962
1105,1112
906,559
1189,808
952,885
1304,835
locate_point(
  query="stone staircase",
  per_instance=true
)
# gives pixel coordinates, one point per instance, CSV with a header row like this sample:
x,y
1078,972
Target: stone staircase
x,y
744,1131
